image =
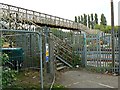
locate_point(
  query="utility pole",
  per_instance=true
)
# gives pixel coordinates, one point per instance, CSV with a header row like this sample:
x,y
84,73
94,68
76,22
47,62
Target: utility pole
x,y
112,33
0,59
119,36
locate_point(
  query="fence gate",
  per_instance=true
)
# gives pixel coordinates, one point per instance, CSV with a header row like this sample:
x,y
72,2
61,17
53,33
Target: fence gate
x,y
28,42
99,52
93,50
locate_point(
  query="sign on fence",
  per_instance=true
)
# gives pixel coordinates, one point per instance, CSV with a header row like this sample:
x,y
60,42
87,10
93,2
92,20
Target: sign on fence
x,y
47,53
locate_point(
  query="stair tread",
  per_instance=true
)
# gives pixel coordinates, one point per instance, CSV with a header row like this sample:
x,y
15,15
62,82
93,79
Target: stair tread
x,y
59,64
62,67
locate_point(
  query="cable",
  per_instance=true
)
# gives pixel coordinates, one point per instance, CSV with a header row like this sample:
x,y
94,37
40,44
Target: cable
x,y
52,82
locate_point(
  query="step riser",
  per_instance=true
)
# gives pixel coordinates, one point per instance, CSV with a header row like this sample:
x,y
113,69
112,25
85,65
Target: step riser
x,y
60,66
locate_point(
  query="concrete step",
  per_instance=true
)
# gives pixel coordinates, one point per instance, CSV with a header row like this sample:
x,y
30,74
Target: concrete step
x,y
60,68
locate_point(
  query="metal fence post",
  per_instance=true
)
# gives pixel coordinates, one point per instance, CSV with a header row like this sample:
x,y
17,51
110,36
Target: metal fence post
x,y
84,53
41,64
99,49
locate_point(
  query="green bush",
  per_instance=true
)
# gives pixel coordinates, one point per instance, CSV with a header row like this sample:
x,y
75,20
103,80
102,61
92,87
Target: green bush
x,y
76,60
8,75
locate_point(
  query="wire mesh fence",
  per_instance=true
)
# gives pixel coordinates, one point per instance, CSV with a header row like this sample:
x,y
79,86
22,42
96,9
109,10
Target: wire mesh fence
x,y
27,42
27,50
20,55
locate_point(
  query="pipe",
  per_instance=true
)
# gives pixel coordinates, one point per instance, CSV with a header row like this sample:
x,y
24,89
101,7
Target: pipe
x,y
52,83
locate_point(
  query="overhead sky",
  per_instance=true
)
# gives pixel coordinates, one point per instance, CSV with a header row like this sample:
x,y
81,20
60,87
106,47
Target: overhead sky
x,y
69,8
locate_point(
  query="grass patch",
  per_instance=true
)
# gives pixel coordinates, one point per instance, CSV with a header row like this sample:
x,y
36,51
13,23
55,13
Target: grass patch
x,y
58,87
28,79
96,69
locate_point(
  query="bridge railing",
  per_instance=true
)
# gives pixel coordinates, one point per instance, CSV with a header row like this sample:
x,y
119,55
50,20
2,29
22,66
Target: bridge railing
x,y
21,14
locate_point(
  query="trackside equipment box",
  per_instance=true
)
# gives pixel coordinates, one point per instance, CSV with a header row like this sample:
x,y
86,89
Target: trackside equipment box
x,y
15,55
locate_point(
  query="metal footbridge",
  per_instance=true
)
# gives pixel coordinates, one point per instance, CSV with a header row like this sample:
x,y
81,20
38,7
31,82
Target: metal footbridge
x,y
15,17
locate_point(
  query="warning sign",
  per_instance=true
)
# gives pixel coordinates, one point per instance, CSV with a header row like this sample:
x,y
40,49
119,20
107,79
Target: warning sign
x,y
47,53
47,58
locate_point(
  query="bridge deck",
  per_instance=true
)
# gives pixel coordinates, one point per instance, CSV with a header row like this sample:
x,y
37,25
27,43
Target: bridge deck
x,y
18,14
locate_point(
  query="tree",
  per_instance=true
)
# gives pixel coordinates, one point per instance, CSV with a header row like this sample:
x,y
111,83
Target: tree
x,y
106,29
89,21
75,18
103,20
85,20
96,18
82,20
92,21
97,26
79,21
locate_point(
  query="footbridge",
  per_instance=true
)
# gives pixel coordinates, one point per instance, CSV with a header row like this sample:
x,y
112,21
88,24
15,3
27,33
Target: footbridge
x,y
19,15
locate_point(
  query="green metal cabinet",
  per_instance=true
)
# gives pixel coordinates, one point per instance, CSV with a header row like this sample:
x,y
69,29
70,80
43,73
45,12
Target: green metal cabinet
x,y
16,55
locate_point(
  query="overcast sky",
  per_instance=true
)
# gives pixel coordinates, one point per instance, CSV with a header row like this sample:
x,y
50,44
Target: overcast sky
x,y
68,8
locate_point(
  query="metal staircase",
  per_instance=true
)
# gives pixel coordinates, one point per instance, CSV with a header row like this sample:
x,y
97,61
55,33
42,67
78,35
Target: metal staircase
x,y
63,53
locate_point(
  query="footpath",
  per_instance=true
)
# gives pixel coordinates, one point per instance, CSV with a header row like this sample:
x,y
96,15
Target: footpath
x,y
85,79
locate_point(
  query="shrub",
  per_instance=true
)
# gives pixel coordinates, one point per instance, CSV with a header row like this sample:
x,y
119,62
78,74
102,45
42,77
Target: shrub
x,y
8,75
